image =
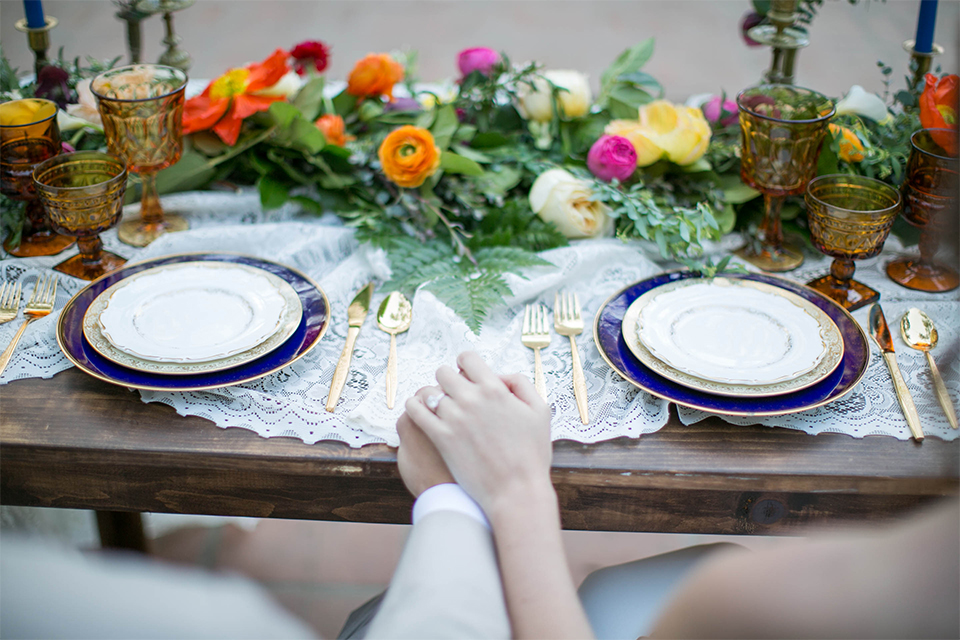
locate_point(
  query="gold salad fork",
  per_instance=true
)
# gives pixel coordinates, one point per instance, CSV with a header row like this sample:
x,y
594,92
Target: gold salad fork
x,y
536,335
9,301
39,305
568,322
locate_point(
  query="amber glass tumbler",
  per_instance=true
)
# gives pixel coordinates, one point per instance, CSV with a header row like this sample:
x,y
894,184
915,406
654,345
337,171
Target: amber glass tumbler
x,y
142,110
850,218
782,129
83,195
28,136
929,200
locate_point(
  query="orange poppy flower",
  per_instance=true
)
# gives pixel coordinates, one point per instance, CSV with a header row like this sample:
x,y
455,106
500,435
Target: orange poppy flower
x,y
374,75
232,97
409,156
938,108
333,129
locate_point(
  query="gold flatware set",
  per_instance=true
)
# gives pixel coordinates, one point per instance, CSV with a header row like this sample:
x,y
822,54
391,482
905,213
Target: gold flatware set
x,y
38,306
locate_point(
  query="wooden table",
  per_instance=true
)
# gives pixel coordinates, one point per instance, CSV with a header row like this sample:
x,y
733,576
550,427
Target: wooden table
x,y
76,442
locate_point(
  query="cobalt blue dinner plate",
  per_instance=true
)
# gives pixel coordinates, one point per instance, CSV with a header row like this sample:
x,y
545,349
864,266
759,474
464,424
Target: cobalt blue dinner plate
x,y
613,348
313,324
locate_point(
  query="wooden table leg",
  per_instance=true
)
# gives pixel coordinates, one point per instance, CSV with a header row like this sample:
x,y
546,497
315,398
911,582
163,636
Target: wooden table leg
x,y
121,530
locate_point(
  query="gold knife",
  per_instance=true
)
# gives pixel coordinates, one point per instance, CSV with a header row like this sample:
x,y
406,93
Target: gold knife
x,y
881,334
356,314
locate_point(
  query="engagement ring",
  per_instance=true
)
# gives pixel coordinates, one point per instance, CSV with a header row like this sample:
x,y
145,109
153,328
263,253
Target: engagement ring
x,y
433,402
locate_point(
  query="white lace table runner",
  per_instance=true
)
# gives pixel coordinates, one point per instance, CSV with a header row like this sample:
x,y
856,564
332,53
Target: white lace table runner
x,y
291,402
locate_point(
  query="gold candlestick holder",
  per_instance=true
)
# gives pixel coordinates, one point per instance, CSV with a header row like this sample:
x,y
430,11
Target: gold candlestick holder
x,y
174,56
783,38
920,62
38,40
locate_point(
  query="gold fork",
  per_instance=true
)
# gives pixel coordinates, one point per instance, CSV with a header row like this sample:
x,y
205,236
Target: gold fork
x,y
39,305
536,335
568,322
9,301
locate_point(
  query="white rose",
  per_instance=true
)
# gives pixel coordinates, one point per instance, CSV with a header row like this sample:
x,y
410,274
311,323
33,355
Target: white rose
x,y
861,103
84,113
574,95
287,86
560,198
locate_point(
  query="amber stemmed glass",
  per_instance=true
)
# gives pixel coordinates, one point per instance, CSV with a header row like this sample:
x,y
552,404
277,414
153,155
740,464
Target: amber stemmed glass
x,y
83,195
28,136
850,218
782,128
929,200
142,110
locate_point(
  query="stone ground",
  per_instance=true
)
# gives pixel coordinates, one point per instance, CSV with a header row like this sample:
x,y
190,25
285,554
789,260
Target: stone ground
x,y
321,570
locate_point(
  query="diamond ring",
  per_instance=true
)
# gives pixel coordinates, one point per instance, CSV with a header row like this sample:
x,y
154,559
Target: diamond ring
x,y
433,402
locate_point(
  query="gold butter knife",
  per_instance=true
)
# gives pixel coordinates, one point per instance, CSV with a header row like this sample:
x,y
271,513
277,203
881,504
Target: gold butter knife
x,y
356,314
881,334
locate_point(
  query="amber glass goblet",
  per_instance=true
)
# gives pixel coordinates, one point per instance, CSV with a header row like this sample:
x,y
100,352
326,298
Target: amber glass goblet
x,y
782,128
28,136
929,200
850,218
142,110
83,195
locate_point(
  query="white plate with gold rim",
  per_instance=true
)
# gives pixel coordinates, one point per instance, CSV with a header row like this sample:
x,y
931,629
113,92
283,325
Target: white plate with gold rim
x,y
733,337
194,313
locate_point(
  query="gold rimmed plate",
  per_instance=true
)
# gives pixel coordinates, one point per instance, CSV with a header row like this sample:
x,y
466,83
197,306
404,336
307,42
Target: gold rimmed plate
x,y
314,320
613,348
803,328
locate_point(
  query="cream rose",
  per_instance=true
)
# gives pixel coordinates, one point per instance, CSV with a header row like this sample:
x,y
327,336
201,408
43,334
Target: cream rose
x,y
574,95
560,198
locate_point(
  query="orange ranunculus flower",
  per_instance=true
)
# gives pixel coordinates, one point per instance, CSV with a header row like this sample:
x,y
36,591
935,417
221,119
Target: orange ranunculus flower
x,y
938,109
333,129
233,96
409,156
851,148
374,75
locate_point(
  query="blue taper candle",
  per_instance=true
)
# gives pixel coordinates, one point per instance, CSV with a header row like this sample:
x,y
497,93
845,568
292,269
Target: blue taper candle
x,y
34,11
923,43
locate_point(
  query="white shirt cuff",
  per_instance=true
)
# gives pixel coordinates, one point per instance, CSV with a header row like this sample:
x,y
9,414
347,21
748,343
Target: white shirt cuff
x,y
447,497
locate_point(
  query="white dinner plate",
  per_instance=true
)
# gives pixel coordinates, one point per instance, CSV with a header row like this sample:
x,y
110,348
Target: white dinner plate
x,y
195,312
736,334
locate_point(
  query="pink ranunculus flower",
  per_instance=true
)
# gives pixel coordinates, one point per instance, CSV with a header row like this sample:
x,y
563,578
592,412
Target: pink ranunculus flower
x,y
711,111
612,157
479,59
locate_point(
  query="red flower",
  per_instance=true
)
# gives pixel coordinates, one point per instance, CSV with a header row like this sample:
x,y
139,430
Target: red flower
x,y
310,51
232,97
938,109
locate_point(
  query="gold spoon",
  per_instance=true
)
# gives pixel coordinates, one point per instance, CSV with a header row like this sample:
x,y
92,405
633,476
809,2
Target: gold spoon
x,y
918,332
394,316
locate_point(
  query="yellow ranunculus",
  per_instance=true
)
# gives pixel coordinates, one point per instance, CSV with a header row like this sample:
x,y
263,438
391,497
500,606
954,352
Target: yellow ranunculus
x,y
663,130
851,149
574,96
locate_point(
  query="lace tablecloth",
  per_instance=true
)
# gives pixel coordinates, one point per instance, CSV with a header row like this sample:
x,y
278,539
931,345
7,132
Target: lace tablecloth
x,y
292,402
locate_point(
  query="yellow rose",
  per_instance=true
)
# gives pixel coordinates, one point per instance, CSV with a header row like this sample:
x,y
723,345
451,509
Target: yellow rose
x,y
851,149
574,96
664,130
560,198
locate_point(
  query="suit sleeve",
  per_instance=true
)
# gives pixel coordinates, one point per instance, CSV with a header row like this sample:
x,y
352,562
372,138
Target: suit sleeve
x,y
447,584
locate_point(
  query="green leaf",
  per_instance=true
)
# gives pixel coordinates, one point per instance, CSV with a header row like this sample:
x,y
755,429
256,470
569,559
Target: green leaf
x,y
344,103
450,162
829,161
305,135
310,98
489,140
630,95
193,171
471,153
273,193
283,113
726,219
629,61
621,110
499,182
445,126
735,191
699,166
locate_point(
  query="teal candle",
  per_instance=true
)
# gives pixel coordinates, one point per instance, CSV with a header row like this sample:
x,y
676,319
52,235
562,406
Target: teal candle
x,y
926,22
34,11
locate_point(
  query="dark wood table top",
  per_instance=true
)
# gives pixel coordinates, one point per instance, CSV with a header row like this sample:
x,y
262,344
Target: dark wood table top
x,y
76,442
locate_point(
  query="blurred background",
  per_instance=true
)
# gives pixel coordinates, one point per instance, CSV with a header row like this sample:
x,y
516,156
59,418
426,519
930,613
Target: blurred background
x,y
698,44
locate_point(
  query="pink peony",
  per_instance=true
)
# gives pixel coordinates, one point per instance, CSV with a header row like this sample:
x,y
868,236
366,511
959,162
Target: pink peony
x,y
711,111
477,59
612,157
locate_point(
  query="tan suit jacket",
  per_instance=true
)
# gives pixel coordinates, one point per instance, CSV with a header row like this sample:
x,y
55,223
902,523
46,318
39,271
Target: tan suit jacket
x,y
447,584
